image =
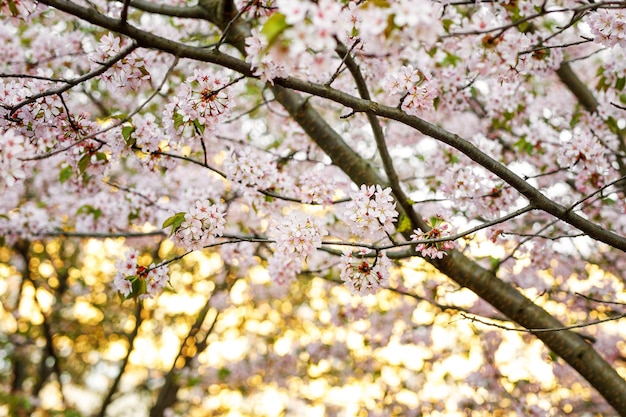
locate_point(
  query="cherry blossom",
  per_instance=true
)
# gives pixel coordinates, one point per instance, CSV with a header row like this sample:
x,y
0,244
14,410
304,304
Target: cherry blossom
x,y
201,225
11,149
297,235
608,26
139,281
439,229
372,208
364,275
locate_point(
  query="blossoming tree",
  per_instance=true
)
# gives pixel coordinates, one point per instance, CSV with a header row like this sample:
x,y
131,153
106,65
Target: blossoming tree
x,y
360,144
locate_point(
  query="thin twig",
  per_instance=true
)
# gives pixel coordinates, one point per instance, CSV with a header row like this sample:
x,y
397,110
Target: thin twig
x,y
547,330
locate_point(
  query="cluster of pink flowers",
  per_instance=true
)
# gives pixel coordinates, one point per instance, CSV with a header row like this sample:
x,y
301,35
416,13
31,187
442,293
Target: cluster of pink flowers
x,y
264,65
30,117
22,9
417,87
283,270
439,229
128,73
11,149
147,132
365,275
295,29
202,102
371,210
251,169
201,225
296,236
584,151
316,187
139,281
608,26
29,222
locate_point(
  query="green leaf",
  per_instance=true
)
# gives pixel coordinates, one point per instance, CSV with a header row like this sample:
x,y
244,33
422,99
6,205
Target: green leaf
x,y
119,116
603,84
494,262
65,174
620,83
383,4
88,209
223,373
198,126
13,8
143,71
404,223
101,156
175,221
126,132
83,163
613,125
178,120
524,146
575,119
138,287
274,26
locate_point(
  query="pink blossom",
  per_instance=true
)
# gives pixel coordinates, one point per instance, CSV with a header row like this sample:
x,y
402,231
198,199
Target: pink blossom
x,y
294,10
371,210
11,150
316,187
251,169
128,265
608,26
283,270
123,285
439,229
129,73
128,272
297,235
365,275
202,224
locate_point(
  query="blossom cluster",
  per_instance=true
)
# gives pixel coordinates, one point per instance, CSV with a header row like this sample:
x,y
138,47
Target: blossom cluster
x,y
11,167
147,134
251,169
139,281
438,229
200,226
608,26
264,65
28,223
418,89
371,209
285,44
22,9
296,236
365,275
29,117
316,187
202,102
129,73
585,151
